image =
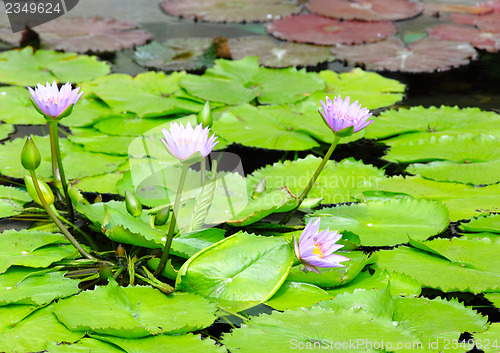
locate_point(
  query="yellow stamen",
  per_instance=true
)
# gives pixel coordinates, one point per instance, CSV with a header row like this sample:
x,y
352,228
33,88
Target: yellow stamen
x,y
318,250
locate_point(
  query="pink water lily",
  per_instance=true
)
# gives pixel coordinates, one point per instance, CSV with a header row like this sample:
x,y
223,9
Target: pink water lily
x,y
183,142
341,114
315,249
54,103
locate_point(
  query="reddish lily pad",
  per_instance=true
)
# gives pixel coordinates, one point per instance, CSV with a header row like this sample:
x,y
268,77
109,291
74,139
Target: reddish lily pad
x,y
86,34
230,11
366,10
489,41
435,7
316,29
283,54
488,23
424,55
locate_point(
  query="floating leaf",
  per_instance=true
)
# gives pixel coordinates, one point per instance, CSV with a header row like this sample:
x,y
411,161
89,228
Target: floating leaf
x,y
494,298
120,126
134,312
387,223
241,81
315,29
188,244
177,54
175,344
488,341
27,286
149,94
13,314
424,55
295,295
366,10
483,224
85,345
225,270
332,277
461,264
10,208
5,129
36,333
27,68
338,182
14,194
32,249
224,11
418,122
90,34
103,184
278,55
485,40
96,141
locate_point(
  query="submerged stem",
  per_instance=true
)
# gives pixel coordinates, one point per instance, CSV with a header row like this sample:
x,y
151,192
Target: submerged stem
x,y
57,165
302,196
173,222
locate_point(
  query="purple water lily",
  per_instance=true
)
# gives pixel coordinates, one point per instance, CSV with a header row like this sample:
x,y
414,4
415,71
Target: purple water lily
x,y
341,114
315,249
183,142
54,103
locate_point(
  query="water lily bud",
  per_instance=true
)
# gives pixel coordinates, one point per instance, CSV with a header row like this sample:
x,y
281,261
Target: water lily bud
x,y
260,188
162,216
120,251
47,193
30,156
105,272
133,204
204,117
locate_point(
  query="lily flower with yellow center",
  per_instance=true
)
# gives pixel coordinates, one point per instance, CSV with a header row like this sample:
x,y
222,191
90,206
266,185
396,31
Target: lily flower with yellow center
x,y
52,103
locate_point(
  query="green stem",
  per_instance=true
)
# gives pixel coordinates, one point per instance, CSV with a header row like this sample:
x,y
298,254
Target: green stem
x,y
302,196
173,222
56,220
57,162
87,237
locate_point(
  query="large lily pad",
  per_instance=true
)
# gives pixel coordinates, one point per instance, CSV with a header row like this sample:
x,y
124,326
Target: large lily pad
x,y
28,68
424,55
241,81
12,201
366,10
230,11
177,54
278,55
315,29
225,270
485,40
382,223
134,312
483,224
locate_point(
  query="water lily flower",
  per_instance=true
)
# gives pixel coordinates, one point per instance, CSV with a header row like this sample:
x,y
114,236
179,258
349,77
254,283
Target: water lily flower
x,y
183,142
52,103
343,117
315,249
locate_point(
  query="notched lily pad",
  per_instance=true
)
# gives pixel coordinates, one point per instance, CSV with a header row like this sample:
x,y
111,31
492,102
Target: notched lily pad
x,y
230,11
278,55
177,54
424,55
316,29
486,40
366,10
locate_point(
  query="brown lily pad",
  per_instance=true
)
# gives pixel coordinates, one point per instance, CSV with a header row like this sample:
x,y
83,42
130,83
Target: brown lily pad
x,y
424,55
277,55
366,10
86,34
316,29
489,41
488,23
231,11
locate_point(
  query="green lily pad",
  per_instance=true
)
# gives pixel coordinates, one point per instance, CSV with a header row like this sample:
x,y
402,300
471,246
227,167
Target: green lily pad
x,y
338,182
13,314
419,122
464,149
120,126
480,173
494,298
95,141
14,194
175,344
27,286
26,67
32,249
134,312
487,341
85,345
6,130
483,224
36,333
10,208
387,223
241,81
295,295
461,264
149,94
188,244
332,277
104,184
225,270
